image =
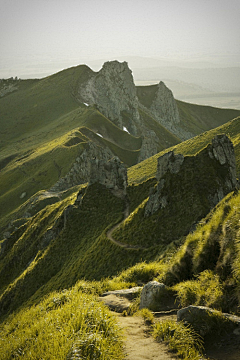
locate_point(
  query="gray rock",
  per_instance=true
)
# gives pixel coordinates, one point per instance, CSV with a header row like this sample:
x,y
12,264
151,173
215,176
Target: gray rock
x,y
223,151
6,235
218,156
23,195
150,144
169,162
111,173
204,319
113,91
126,293
156,297
80,171
115,303
164,107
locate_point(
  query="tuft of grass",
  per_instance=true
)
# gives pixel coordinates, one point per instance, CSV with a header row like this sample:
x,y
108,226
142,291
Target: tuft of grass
x,y
181,339
206,290
147,316
64,325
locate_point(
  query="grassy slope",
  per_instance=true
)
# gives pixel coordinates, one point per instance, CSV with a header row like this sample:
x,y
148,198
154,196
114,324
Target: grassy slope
x,y
40,123
147,168
35,269
198,118
92,244
194,118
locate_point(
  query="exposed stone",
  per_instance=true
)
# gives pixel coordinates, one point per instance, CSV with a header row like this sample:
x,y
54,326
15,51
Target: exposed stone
x,y
223,151
115,303
165,111
202,318
127,293
23,195
150,145
156,297
80,171
213,169
111,173
8,88
164,107
113,91
169,162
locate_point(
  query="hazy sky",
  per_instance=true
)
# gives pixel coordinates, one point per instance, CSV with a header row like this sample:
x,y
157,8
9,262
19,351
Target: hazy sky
x,y
71,32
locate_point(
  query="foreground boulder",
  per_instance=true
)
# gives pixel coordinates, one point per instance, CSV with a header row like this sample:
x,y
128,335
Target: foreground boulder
x,y
206,320
119,300
125,293
156,297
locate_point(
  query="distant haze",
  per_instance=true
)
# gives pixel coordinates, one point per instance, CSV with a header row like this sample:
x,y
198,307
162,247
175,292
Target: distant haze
x,y
39,38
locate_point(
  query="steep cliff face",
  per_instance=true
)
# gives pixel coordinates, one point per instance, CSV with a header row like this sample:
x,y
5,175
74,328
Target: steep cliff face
x,y
112,174
158,101
164,107
81,169
149,146
113,91
195,182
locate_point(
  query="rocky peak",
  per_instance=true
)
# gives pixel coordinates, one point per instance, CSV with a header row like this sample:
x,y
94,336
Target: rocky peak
x,y
193,184
113,91
164,106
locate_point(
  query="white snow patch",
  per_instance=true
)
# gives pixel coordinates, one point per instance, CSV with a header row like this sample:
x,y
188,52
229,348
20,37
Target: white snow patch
x,y
125,129
99,134
86,104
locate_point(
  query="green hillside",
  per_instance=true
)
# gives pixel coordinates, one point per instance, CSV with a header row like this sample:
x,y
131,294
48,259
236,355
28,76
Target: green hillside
x,y
56,254
195,118
79,244
147,168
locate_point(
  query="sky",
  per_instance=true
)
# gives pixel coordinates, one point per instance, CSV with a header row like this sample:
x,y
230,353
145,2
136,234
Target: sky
x,y
43,36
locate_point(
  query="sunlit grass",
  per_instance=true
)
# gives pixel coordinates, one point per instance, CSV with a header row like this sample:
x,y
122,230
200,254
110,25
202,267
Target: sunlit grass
x,y
63,325
181,339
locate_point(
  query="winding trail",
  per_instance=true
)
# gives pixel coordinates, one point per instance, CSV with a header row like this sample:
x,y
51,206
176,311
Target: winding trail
x,y
116,242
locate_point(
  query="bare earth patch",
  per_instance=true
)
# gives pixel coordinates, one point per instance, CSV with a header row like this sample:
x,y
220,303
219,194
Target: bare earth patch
x,y
139,344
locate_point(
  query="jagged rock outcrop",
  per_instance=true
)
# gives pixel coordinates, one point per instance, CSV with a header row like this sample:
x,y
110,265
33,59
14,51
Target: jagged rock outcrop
x,y
208,176
111,173
164,107
113,91
150,145
81,169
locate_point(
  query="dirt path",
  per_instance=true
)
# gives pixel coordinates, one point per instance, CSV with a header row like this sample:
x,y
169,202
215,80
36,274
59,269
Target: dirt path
x,y
139,344
109,232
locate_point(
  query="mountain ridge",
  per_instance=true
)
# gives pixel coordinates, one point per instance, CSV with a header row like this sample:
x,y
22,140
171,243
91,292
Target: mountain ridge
x,y
82,185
